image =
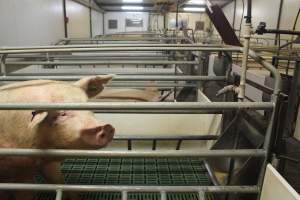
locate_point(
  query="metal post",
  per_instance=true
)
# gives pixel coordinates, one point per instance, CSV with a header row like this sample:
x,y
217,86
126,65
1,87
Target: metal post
x,y
124,195
201,195
3,65
163,195
247,36
59,195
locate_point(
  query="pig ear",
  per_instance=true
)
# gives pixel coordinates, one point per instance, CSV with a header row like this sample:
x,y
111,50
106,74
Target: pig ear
x,y
37,117
93,85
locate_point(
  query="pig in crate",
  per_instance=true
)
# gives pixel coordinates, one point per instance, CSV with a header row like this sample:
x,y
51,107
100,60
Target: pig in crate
x,y
42,129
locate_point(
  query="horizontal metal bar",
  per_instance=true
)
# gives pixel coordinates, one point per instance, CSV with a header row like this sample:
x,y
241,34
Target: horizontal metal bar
x,y
119,78
214,111
109,45
165,153
185,137
104,62
138,38
161,106
120,188
98,49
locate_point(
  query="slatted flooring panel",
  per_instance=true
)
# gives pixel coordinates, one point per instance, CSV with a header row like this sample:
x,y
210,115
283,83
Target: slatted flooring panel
x,y
134,171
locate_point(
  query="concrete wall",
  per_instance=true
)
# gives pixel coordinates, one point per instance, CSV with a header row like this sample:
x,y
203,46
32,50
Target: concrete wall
x,y
30,22
79,20
40,22
97,23
121,17
266,11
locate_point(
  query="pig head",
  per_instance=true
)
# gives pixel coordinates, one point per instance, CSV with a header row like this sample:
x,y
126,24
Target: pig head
x,y
70,129
66,129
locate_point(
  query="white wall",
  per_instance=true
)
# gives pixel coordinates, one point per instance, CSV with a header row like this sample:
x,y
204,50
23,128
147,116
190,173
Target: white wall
x,y
156,21
121,17
97,21
79,20
266,11
191,18
30,22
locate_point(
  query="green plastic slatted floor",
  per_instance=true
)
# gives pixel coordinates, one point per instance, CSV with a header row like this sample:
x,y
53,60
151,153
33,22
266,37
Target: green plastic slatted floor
x,y
135,171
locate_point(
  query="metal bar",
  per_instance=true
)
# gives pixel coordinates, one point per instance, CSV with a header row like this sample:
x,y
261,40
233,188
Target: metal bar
x,y
124,195
132,48
162,106
271,68
3,64
214,111
59,194
120,188
110,45
201,195
103,62
241,93
122,39
62,153
163,195
118,78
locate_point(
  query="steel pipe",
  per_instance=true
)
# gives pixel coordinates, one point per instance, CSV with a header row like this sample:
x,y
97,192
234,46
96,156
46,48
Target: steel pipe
x,y
99,49
62,153
59,194
182,137
105,62
149,106
271,68
108,45
120,188
119,78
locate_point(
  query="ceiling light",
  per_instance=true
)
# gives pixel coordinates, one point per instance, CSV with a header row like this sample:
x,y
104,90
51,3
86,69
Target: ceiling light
x,y
132,1
198,2
132,7
193,9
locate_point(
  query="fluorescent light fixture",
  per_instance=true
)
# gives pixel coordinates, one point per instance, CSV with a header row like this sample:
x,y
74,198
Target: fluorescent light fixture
x,y
198,2
132,1
132,7
193,9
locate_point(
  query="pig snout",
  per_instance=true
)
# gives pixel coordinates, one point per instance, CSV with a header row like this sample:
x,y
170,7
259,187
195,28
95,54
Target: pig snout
x,y
98,136
105,133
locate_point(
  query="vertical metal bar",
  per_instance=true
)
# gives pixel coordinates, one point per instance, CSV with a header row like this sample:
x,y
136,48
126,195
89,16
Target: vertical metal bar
x,y
65,18
175,88
268,143
129,145
247,36
178,144
163,195
234,15
278,21
201,195
124,195
154,145
90,15
103,26
59,195
177,7
3,65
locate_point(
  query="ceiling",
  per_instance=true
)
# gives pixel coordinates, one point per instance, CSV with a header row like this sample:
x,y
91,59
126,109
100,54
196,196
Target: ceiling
x,y
153,5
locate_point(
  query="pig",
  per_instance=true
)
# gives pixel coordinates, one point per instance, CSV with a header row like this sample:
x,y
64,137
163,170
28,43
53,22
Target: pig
x,y
42,129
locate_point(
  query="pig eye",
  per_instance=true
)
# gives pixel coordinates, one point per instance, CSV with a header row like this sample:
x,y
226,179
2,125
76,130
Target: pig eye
x,y
63,114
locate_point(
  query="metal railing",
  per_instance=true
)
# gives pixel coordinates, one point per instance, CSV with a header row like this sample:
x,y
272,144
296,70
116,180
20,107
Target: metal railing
x,y
213,107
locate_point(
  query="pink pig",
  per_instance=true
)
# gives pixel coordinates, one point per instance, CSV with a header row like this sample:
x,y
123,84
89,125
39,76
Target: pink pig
x,y
62,129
